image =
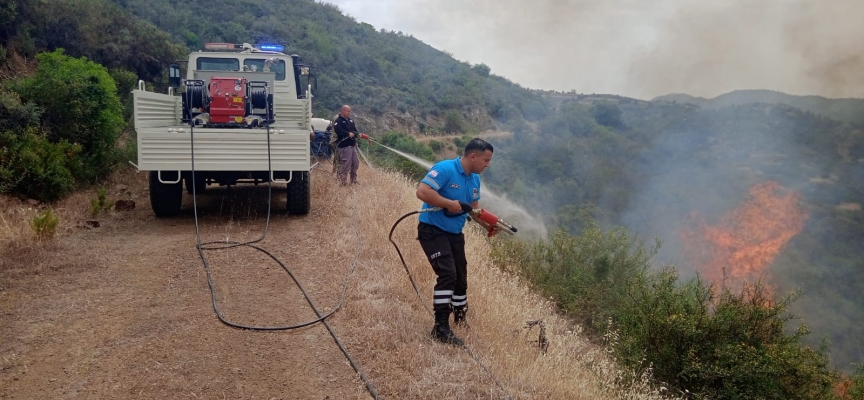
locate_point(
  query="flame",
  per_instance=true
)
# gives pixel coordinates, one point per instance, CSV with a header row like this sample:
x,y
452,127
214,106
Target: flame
x,y
746,240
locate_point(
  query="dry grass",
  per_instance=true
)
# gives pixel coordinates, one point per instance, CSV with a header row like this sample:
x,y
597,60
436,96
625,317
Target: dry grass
x,y
396,323
21,249
383,323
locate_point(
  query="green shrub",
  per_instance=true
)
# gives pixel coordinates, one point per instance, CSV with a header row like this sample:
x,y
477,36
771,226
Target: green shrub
x,y
724,346
454,122
100,203
856,384
589,274
33,166
44,224
17,115
730,346
436,146
124,81
84,109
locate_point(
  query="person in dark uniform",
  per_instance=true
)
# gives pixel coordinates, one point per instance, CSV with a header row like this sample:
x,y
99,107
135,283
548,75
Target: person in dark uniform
x,y
346,145
452,185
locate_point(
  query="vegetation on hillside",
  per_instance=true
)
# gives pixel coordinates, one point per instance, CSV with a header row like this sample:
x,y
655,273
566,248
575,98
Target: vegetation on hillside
x,y
649,166
838,109
59,127
667,164
706,340
374,71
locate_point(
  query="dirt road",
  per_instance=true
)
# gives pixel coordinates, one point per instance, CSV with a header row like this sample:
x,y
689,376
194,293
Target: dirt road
x,y
484,135
124,310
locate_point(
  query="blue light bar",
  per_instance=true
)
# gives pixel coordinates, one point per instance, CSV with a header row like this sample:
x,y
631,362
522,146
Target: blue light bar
x,y
271,47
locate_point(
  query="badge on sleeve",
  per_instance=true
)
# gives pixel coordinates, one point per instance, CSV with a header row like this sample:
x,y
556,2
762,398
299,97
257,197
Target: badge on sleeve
x,y
433,173
475,194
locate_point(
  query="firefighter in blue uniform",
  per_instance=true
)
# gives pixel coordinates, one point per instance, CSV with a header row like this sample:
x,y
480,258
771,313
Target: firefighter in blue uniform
x,y
452,185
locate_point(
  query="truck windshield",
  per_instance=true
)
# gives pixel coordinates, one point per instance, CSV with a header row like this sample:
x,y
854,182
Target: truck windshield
x,y
218,64
254,64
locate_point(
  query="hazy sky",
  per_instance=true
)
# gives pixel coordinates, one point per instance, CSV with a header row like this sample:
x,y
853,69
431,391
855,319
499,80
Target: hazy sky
x,y
643,48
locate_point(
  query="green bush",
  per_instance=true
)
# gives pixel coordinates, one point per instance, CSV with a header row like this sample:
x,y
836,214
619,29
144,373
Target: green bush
x,y
454,122
607,113
17,115
856,384
590,274
44,224
35,167
100,203
728,346
436,146
83,109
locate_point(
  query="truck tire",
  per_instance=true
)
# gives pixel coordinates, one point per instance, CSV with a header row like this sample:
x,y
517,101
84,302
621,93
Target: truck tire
x,y
299,193
165,199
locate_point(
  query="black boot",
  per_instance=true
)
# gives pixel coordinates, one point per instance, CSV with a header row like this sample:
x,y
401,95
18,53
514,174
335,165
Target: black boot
x,y
459,315
441,331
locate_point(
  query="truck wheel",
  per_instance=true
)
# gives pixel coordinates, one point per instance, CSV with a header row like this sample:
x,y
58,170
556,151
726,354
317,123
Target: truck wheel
x,y
200,183
166,199
299,193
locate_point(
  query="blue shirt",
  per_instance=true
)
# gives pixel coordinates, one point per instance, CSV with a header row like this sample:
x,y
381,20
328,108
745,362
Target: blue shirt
x,y
450,180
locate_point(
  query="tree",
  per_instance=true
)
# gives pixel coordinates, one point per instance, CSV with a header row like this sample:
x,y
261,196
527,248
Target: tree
x,y
607,113
481,69
82,108
454,122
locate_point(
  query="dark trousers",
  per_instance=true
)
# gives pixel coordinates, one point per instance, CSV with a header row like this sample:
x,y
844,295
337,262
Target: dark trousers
x,y
446,253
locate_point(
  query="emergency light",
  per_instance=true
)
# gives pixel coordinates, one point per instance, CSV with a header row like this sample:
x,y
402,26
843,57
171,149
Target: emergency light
x,y
244,46
221,46
271,47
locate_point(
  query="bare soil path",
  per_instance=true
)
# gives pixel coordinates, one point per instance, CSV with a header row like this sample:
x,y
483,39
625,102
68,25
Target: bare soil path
x,y
124,310
487,134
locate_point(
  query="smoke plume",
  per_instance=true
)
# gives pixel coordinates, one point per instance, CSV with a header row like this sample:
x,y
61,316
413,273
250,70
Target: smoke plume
x,y
644,49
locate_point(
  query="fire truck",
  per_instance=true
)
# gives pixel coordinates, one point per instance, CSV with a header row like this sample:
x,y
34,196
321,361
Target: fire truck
x,y
242,115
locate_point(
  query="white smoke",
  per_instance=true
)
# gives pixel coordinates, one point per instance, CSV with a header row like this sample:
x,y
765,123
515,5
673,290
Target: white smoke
x,y
644,48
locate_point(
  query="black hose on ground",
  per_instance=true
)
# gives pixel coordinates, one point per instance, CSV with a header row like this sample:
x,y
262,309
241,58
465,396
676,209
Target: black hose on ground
x,y
425,305
322,318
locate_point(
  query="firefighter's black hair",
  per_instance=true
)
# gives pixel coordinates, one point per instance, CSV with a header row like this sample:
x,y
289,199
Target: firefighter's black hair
x,y
477,145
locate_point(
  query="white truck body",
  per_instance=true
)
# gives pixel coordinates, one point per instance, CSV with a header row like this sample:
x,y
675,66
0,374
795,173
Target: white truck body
x,y
165,145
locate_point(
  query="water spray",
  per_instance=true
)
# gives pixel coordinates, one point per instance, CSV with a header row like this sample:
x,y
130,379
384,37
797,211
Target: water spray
x,y
513,211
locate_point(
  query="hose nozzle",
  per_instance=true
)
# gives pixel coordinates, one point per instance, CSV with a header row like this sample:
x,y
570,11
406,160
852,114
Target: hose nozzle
x,y
491,222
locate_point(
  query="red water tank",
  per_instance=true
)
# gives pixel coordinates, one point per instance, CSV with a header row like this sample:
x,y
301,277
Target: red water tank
x,y
227,100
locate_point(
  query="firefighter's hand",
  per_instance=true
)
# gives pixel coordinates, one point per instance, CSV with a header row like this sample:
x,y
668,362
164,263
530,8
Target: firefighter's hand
x,y
454,207
351,135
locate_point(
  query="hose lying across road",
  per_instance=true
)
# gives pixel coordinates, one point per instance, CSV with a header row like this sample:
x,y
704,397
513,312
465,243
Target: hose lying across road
x,y
425,303
321,318
223,245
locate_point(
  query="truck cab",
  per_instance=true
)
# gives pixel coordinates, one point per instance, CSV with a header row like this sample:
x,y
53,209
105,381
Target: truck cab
x,y
241,115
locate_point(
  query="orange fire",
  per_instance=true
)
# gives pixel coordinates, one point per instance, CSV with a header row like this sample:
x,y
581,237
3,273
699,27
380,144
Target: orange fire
x,y
747,239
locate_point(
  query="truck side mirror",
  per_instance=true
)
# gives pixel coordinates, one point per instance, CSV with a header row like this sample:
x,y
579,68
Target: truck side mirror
x,y
174,76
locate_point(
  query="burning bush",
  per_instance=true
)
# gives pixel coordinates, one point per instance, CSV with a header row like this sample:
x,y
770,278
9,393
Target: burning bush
x,y
713,344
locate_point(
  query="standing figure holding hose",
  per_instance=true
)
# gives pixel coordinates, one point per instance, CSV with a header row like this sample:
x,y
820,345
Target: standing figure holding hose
x,y
454,186
346,145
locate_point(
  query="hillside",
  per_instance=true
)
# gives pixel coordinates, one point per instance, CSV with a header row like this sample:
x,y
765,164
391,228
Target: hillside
x,y
124,310
692,172
847,110
659,167
391,78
